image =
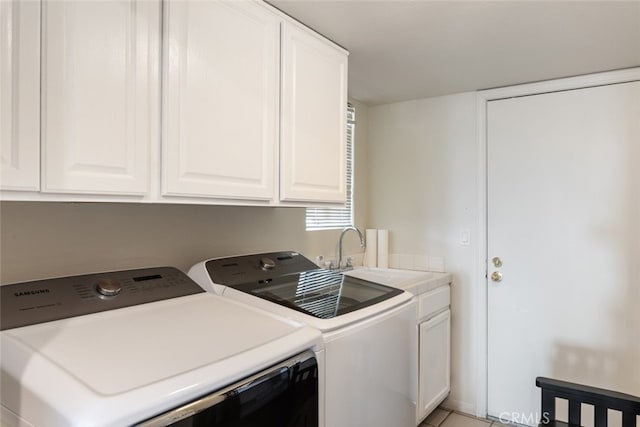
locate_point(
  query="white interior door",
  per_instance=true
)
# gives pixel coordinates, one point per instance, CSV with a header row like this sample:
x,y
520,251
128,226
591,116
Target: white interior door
x,y
563,217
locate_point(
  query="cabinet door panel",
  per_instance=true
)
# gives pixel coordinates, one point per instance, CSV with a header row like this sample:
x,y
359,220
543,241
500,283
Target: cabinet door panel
x,y
221,103
20,95
99,95
435,363
314,102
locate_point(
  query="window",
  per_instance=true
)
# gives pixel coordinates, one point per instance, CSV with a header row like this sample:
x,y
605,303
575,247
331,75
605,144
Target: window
x,y
331,218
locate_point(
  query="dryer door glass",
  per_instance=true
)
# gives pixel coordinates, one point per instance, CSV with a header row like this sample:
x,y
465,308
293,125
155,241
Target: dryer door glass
x,y
285,395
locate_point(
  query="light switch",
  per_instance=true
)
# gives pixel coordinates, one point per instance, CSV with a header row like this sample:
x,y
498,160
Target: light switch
x,y
465,237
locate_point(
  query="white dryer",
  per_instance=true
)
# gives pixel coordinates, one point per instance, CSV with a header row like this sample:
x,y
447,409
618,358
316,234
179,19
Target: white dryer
x,y
150,347
368,329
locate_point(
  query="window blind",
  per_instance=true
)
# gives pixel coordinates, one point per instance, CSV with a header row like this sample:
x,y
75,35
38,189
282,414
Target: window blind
x,y
332,218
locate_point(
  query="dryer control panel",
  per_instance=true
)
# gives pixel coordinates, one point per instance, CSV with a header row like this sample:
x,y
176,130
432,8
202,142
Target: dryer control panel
x,y
40,301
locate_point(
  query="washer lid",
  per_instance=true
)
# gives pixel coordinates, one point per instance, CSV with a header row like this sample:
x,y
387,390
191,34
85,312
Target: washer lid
x,y
292,281
121,350
320,293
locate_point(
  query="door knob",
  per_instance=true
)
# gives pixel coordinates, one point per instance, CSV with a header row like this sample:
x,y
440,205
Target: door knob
x,y
496,276
497,262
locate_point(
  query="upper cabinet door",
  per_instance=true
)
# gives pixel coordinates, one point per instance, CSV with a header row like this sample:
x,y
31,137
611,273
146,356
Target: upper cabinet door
x,y
19,95
220,107
314,118
100,89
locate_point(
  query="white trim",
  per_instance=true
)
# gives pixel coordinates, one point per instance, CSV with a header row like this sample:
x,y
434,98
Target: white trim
x,y
589,80
482,97
481,306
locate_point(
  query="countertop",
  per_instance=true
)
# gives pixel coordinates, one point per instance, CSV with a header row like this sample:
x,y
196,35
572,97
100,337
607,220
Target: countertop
x,y
416,282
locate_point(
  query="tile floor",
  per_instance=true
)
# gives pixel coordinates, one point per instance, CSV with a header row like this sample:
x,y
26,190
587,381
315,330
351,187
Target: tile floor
x,y
445,418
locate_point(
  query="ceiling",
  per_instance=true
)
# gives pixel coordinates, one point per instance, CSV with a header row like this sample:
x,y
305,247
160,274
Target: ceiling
x,y
409,49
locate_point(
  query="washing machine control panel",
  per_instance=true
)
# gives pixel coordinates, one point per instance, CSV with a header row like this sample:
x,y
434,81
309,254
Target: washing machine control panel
x,y
108,287
40,301
256,267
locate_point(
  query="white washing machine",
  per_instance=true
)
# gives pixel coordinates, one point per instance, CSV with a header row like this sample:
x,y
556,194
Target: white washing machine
x,y
150,347
433,329
367,328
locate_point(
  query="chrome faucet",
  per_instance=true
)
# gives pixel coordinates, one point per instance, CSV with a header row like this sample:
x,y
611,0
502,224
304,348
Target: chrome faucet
x,y
362,243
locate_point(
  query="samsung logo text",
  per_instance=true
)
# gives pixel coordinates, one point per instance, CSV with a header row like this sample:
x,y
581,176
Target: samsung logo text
x,y
33,292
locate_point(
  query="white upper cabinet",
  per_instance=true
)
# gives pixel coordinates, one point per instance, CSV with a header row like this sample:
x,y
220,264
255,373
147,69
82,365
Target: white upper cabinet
x,y
314,118
179,101
221,100
100,91
19,95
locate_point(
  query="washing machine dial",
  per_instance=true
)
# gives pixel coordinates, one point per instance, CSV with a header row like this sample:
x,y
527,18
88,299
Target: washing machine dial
x,y
267,263
109,287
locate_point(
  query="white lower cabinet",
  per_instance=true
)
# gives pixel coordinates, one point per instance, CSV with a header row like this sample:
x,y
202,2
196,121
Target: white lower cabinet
x,y
435,359
19,95
99,95
221,100
434,350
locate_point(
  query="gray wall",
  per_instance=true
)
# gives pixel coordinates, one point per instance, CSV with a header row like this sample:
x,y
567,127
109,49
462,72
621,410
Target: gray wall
x,y
46,239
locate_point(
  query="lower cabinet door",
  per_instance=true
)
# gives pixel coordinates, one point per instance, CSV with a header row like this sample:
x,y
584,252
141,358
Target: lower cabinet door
x,y
435,363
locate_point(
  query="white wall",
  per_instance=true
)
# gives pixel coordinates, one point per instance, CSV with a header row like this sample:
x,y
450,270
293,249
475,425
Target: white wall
x,y
423,163
46,239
